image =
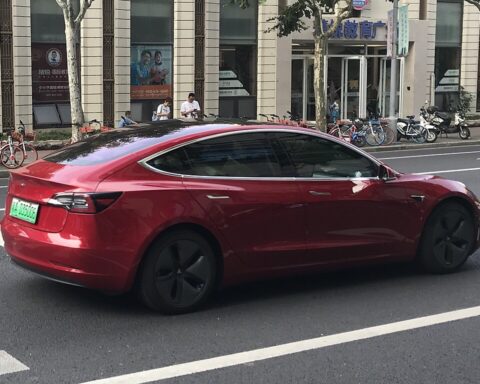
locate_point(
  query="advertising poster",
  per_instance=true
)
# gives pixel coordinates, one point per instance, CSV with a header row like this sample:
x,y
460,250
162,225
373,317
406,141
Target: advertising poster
x,y
403,31
49,73
151,72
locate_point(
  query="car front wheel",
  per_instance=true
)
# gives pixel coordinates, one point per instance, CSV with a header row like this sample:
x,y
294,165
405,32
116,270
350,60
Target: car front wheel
x,y
178,274
448,239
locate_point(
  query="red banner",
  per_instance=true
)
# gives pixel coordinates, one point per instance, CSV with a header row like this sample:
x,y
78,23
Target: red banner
x,y
153,92
49,73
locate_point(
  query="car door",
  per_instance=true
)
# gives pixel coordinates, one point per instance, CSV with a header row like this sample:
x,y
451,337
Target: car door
x,y
350,213
237,179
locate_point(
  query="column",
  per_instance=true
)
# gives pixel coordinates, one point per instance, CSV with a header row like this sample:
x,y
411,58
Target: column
x,y
212,55
470,44
267,62
184,52
22,62
92,62
122,57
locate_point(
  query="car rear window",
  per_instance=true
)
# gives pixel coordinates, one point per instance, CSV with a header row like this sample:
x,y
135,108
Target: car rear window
x,y
115,144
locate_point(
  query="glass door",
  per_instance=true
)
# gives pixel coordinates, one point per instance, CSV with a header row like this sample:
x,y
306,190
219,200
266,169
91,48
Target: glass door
x,y
353,103
384,91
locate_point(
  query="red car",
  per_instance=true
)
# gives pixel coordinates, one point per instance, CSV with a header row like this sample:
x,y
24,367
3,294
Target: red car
x,y
176,209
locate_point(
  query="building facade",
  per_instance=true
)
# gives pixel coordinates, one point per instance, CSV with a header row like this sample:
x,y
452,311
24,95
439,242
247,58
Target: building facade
x,y
133,54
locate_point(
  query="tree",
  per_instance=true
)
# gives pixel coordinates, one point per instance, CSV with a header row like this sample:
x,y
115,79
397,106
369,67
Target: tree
x,y
292,19
73,19
474,2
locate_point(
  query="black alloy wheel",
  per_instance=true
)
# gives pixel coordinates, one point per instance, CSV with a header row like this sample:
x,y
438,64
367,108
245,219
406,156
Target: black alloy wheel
x,y
178,274
448,239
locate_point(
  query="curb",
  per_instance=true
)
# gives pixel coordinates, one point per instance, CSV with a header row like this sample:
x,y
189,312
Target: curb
x,y
400,147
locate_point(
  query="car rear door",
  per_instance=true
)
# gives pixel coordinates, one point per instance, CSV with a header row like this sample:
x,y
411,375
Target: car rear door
x,y
237,179
350,212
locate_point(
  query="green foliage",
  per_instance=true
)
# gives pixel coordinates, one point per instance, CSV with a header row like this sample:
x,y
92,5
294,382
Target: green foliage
x,y
464,101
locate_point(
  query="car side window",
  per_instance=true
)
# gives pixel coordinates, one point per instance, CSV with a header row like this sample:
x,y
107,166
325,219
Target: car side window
x,y
315,157
236,155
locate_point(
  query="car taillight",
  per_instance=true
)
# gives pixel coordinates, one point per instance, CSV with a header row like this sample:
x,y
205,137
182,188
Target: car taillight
x,y
84,202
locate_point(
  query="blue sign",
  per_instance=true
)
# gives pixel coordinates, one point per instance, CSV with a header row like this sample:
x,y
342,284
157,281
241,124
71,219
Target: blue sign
x,y
351,29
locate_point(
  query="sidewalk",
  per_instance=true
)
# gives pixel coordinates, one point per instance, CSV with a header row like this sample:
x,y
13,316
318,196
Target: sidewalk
x,y
453,140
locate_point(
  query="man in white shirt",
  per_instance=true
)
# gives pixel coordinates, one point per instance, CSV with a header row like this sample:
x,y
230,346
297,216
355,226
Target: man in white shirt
x,y
190,108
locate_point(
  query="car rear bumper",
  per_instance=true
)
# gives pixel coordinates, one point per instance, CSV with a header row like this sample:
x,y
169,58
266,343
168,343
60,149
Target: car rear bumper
x,y
63,258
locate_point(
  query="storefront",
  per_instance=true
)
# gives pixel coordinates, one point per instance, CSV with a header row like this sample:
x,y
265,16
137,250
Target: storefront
x,y
357,73
151,59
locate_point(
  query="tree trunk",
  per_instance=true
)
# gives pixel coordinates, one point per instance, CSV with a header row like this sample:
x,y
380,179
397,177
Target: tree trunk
x,y
71,33
319,83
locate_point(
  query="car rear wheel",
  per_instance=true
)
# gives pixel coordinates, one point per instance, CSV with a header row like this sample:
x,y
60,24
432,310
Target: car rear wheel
x,y
178,274
448,239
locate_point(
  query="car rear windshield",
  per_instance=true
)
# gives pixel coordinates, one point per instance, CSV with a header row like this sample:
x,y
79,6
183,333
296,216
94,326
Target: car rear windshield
x,y
115,144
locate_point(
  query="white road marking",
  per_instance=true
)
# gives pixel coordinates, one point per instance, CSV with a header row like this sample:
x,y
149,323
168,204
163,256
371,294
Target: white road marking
x,y
429,155
3,186
447,171
287,349
427,149
2,243
8,364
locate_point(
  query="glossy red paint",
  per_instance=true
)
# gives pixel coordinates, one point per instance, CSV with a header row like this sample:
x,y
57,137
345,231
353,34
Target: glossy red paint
x,y
266,228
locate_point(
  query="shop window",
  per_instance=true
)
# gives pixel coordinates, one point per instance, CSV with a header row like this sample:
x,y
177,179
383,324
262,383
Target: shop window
x,y
50,89
151,66
449,23
238,60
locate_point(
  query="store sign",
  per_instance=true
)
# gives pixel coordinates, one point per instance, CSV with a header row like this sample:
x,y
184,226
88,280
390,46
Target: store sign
x,y
230,86
49,73
359,5
390,30
449,82
403,31
354,30
151,72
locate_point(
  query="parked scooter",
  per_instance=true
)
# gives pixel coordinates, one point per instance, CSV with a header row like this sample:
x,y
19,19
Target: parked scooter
x,y
443,121
411,129
432,130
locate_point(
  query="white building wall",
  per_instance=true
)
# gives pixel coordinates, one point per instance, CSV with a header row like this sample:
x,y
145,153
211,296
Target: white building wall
x,y
92,62
184,52
122,57
470,49
430,51
22,62
267,60
212,56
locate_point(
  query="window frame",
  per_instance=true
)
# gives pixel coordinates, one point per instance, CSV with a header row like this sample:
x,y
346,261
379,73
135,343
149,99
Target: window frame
x,y
144,162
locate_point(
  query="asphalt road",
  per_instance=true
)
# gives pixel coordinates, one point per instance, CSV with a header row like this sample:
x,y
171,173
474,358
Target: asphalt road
x,y
65,334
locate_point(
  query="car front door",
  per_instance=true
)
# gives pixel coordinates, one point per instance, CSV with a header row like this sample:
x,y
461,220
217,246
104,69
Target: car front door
x,y
237,180
350,213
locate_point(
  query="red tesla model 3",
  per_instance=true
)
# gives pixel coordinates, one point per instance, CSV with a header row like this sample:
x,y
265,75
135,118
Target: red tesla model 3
x,y
176,209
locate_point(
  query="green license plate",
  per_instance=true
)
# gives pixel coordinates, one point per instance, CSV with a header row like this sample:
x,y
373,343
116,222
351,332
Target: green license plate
x,y
24,210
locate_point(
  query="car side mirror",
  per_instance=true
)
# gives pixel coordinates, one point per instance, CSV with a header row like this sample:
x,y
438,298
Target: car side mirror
x,y
385,174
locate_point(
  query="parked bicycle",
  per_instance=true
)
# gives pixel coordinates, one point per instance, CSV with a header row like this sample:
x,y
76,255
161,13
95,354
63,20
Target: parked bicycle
x,y
94,127
18,151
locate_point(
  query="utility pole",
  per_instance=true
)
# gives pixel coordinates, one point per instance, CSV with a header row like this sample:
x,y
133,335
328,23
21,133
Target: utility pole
x,y
394,66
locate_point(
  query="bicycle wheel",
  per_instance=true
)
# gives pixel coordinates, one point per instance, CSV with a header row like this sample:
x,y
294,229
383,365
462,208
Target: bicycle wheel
x,y
375,136
390,136
335,132
11,156
420,134
31,154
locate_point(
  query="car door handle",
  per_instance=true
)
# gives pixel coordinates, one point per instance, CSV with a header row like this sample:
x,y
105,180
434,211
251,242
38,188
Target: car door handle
x,y
316,193
419,198
218,197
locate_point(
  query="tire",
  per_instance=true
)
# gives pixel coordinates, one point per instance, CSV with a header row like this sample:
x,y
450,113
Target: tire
x,y
31,154
178,274
432,136
376,136
390,136
11,159
360,141
448,239
420,135
464,133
